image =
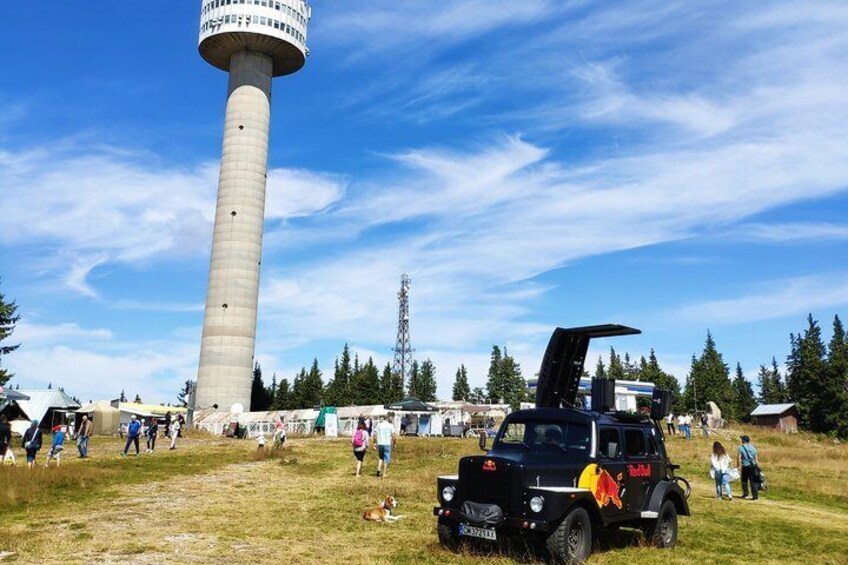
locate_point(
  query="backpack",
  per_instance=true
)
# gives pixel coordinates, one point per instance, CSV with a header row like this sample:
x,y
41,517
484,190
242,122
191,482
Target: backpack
x,y
358,439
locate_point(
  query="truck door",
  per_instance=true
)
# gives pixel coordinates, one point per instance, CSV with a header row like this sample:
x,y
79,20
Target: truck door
x,y
638,469
609,474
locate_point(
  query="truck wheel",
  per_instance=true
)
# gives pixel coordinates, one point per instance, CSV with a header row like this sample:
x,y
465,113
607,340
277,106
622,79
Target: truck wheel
x,y
571,542
448,538
662,532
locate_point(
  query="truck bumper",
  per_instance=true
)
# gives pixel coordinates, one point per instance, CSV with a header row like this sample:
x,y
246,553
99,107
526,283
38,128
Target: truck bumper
x,y
511,524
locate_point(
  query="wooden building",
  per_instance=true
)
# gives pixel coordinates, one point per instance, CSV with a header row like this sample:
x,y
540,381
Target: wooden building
x,y
783,417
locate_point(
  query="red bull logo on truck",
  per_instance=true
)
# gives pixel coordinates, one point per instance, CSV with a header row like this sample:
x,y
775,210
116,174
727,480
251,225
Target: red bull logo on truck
x,y
603,486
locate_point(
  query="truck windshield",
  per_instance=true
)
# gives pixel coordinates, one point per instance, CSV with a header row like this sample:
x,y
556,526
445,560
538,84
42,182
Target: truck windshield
x,y
564,436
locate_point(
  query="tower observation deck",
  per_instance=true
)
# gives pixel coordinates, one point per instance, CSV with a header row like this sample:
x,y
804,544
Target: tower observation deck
x,y
254,41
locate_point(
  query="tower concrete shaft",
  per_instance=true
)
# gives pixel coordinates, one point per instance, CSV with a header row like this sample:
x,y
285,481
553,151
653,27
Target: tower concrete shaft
x,y
229,325
253,40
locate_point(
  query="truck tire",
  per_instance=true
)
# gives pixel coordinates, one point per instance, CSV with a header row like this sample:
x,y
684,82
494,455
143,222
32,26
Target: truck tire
x,y
448,538
571,542
662,532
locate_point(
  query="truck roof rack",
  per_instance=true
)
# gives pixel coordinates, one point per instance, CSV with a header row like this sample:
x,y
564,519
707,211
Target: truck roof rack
x,y
562,366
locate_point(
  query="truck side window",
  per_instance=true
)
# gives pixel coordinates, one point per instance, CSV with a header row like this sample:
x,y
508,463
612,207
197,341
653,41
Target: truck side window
x,y
634,441
609,443
653,448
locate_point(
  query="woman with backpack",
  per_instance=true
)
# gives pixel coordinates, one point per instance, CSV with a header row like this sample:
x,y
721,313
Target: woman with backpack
x,y
720,465
360,442
32,443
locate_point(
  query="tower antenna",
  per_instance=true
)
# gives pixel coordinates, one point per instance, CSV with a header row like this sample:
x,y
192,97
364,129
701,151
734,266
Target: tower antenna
x,y
403,346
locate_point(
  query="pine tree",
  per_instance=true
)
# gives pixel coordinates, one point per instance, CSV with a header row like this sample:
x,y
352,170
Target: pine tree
x,y
366,384
631,370
744,396
478,395
272,391
426,387
766,384
494,380
414,378
515,387
283,396
386,384
600,370
709,380
777,384
461,390
651,372
339,390
8,319
833,400
182,396
259,401
298,396
313,386
616,368
805,380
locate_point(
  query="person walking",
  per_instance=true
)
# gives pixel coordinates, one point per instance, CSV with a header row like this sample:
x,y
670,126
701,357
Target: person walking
x,y
720,464
669,422
260,441
31,442
168,424
133,433
82,436
384,439
687,425
279,439
152,433
746,458
360,442
6,440
681,420
705,425
56,446
175,432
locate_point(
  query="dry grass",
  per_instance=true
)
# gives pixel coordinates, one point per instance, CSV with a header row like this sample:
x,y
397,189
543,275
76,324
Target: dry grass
x,y
222,500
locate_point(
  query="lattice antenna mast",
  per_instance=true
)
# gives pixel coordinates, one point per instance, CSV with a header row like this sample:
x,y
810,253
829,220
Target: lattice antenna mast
x,y
403,346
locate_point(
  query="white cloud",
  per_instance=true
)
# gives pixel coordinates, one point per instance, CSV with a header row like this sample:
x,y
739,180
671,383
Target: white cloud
x,y
44,334
102,205
791,232
776,299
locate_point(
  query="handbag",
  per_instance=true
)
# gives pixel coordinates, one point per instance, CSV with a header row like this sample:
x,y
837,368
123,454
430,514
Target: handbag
x,y
733,472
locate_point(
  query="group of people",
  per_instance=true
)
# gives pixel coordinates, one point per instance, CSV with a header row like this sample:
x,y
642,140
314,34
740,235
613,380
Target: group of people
x,y
135,429
747,466
277,440
382,437
33,438
684,425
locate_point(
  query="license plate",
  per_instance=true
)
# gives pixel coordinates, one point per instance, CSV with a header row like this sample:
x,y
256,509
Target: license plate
x,y
474,532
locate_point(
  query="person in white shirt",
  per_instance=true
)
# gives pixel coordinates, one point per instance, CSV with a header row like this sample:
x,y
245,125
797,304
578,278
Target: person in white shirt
x,y
260,441
687,426
669,420
175,432
681,420
385,433
720,464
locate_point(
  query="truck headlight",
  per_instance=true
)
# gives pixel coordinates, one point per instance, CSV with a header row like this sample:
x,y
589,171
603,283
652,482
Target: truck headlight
x,y
448,493
537,503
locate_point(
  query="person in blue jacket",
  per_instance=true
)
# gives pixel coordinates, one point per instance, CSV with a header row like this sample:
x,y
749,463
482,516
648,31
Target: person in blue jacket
x,y
56,446
133,433
32,443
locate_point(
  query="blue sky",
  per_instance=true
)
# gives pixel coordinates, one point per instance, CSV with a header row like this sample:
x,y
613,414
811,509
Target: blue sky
x,y
676,166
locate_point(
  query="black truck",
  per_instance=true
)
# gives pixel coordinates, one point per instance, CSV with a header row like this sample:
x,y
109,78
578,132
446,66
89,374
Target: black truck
x,y
558,473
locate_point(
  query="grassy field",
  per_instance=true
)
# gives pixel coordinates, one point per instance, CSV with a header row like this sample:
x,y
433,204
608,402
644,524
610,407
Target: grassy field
x,y
216,500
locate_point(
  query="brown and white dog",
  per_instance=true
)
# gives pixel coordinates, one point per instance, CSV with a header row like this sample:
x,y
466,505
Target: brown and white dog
x,y
383,511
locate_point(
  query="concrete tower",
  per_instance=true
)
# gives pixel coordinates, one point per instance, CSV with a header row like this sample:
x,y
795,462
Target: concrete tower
x,y
253,40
